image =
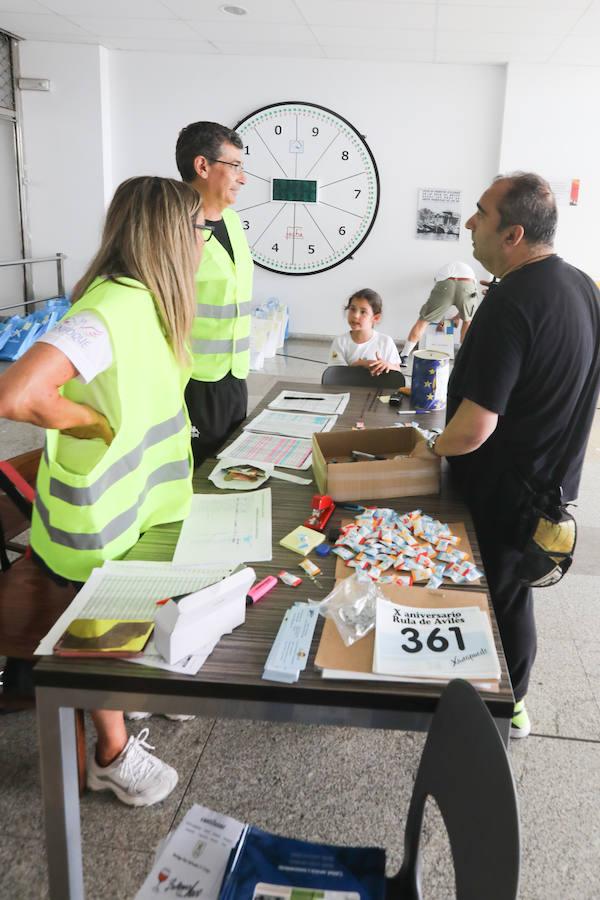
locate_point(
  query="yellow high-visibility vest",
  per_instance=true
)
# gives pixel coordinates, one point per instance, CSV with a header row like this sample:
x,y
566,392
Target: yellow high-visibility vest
x,y
221,330
93,501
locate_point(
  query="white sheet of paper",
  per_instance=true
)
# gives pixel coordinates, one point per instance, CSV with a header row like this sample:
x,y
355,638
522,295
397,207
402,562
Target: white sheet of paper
x,y
291,453
124,590
192,861
227,529
311,401
290,424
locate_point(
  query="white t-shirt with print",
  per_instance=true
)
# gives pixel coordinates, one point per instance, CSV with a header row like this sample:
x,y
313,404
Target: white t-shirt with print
x,y
85,341
344,351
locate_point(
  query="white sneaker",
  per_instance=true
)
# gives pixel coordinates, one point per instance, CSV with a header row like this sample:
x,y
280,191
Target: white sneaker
x,y
137,777
175,717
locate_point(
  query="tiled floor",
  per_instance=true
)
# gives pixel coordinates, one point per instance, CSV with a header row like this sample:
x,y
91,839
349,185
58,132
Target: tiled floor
x,y
348,785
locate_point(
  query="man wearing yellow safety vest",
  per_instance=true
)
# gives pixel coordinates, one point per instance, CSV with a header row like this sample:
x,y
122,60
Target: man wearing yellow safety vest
x,y
209,157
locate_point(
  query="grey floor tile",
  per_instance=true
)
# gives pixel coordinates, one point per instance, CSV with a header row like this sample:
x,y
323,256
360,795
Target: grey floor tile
x,y
586,560
115,874
103,817
22,867
560,700
106,820
558,783
336,785
108,875
569,608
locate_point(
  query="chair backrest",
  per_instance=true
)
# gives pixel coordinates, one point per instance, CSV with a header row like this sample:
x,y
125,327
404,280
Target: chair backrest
x,y
358,376
17,482
465,768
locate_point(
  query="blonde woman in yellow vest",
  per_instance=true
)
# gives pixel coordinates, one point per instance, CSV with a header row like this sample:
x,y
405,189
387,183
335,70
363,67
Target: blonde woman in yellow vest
x,y
209,157
108,384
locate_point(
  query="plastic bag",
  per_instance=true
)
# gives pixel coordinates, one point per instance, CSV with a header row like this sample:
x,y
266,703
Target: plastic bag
x,y
351,605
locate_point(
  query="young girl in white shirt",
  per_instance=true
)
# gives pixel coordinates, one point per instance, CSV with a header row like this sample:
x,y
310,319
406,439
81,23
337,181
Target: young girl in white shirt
x,y
362,345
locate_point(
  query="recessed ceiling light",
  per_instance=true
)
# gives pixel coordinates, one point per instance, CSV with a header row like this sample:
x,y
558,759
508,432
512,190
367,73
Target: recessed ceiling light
x,y
234,10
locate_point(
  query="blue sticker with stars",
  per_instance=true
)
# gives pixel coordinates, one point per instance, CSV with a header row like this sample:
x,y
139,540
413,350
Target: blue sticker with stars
x,y
429,380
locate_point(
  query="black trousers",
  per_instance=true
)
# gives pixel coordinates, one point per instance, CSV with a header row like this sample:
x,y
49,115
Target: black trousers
x,y
216,409
513,601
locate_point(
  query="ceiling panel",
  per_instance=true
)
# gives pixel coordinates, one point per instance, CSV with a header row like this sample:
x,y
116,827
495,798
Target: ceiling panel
x,y
168,29
25,24
355,12
128,9
589,23
379,54
373,37
156,45
540,5
253,33
22,6
258,10
506,19
577,51
281,50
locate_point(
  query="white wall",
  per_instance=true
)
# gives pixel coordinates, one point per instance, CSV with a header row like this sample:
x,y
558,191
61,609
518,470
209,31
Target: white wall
x,y
65,137
428,126
551,126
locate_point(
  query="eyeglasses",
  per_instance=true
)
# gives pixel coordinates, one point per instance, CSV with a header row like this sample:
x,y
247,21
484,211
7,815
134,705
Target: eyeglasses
x,y
238,166
207,231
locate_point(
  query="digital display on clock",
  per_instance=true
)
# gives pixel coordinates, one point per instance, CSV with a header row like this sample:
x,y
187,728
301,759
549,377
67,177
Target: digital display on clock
x,y
294,190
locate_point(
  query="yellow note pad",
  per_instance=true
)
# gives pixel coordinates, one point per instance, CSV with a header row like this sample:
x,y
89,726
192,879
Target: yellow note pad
x,y
302,540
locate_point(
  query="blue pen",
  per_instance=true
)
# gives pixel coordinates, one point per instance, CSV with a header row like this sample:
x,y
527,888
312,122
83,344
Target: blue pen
x,y
351,507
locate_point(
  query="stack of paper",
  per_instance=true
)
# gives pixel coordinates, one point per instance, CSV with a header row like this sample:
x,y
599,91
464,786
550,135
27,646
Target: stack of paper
x,y
358,661
290,423
302,540
429,642
311,401
192,860
129,591
227,529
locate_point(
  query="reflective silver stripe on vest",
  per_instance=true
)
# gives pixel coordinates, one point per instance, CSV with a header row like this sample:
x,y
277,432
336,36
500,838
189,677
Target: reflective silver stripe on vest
x,y
229,311
173,471
85,496
202,346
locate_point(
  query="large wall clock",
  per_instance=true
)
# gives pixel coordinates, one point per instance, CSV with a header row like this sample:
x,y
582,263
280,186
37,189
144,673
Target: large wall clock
x,y
312,189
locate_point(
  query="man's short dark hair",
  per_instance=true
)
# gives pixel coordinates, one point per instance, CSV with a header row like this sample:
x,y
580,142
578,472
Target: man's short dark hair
x,y
202,139
530,202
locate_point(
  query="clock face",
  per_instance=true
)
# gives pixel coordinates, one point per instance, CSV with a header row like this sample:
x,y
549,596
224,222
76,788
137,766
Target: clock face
x,y
312,188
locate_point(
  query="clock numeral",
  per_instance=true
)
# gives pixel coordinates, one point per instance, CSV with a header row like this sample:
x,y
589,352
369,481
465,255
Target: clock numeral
x,y
311,248
356,193
315,131
275,247
278,129
247,150
342,229
345,154
246,224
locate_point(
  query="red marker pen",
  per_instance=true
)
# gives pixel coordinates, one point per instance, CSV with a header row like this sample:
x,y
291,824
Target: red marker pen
x,y
258,591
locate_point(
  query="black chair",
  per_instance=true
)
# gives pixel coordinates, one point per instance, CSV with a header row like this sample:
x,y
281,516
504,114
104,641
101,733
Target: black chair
x,y
465,768
359,376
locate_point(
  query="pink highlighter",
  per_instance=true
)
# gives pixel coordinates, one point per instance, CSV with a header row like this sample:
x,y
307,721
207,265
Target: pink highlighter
x,y
258,591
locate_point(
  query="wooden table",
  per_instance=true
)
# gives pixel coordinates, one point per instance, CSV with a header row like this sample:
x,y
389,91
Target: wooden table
x,y
229,684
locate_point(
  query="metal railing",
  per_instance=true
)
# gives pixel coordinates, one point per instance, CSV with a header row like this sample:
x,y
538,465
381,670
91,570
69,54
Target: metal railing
x,y
58,258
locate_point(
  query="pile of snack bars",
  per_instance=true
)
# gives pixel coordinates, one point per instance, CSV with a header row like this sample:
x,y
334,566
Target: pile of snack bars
x,y
408,549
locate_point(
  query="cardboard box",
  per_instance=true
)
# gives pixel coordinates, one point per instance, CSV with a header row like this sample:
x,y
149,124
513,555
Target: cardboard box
x,y
395,476
203,617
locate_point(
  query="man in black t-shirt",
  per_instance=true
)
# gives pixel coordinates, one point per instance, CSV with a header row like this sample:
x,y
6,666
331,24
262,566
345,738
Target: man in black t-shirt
x,y
518,379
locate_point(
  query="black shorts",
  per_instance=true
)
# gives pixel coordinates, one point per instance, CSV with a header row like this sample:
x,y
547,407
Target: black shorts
x,y
216,409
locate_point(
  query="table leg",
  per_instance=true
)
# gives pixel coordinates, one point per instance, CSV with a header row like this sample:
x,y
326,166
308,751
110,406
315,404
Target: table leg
x,y
58,756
